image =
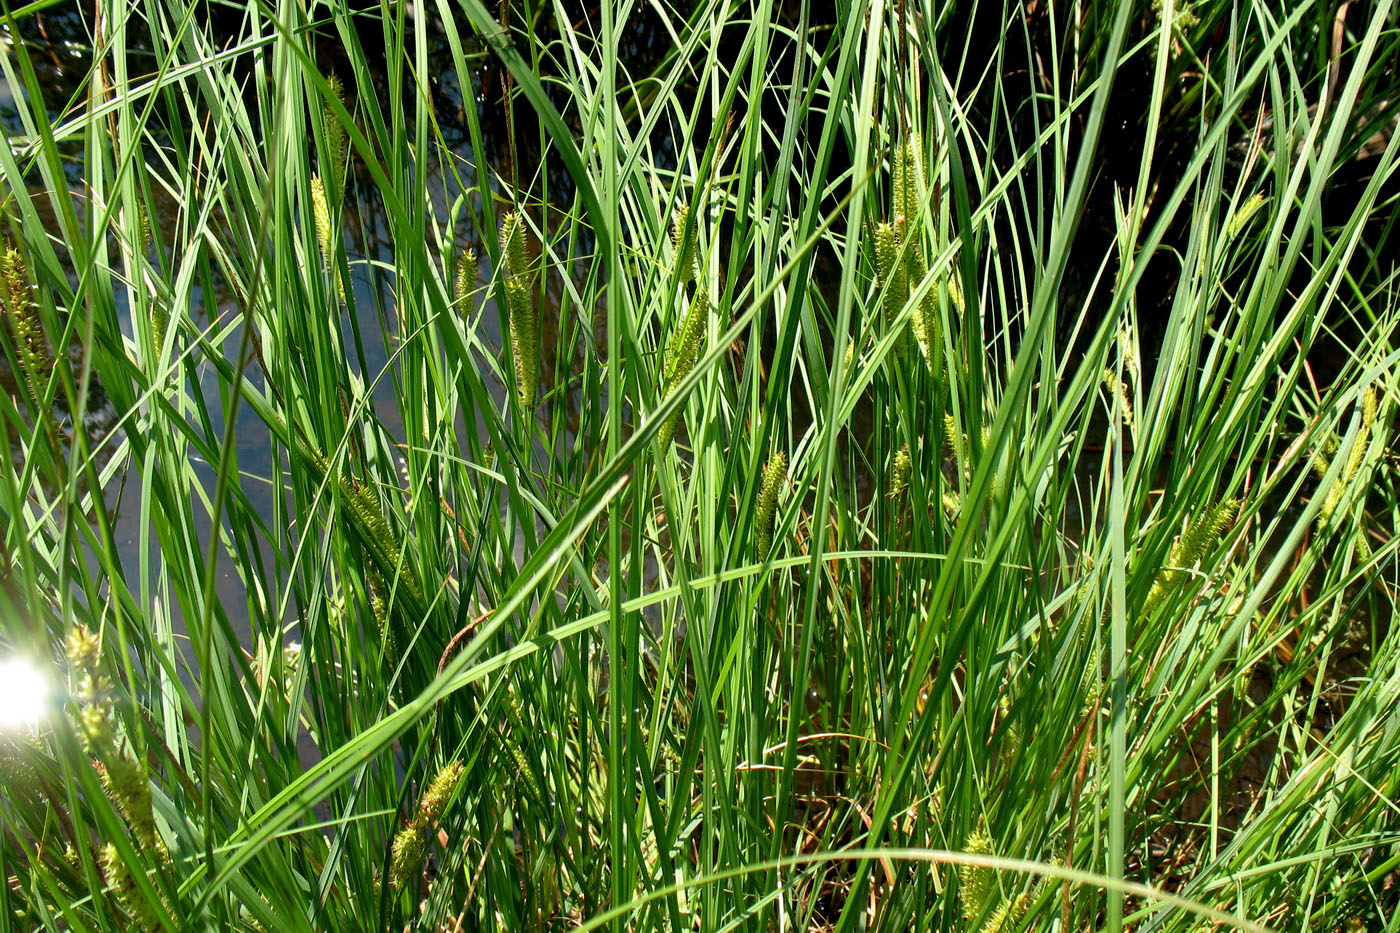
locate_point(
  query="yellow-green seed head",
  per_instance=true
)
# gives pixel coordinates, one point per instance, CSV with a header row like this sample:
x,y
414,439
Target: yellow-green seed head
x,y
1356,455
928,327
119,880
521,316
1205,530
1115,386
406,856
160,323
1202,532
127,783
365,508
774,475
900,472
14,282
908,181
439,793
466,274
335,136
321,214
955,294
519,285
684,347
894,275
84,650
681,353
1241,217
975,881
684,243
522,768
143,220
514,255
1001,919
17,299
96,726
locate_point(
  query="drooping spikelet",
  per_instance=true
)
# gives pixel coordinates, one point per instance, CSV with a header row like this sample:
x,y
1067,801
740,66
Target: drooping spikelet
x,y
975,881
900,257
84,650
955,294
143,220
1201,533
321,215
379,610
1115,385
1001,918
1205,531
773,476
680,359
520,306
440,791
950,431
684,347
409,846
1248,209
94,714
515,255
364,508
160,323
928,328
1356,454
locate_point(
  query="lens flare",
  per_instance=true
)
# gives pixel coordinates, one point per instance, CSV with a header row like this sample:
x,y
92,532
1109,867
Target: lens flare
x,y
23,693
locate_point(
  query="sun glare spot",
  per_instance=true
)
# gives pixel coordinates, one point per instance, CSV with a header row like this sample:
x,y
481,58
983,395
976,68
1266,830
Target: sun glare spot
x,y
23,692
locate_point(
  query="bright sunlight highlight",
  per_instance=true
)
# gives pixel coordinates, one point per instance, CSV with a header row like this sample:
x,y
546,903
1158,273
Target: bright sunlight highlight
x,y
23,691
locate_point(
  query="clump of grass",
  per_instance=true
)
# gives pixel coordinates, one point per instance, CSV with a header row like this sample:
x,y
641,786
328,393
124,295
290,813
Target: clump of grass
x,y
326,554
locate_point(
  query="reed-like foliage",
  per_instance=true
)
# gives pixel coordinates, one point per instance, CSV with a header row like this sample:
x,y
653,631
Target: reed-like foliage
x,y
924,467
